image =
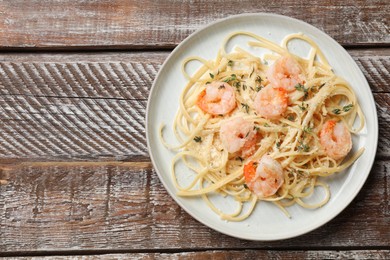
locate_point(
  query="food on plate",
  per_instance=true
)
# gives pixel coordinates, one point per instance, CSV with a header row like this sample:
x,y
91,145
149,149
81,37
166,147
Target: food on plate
x,y
264,128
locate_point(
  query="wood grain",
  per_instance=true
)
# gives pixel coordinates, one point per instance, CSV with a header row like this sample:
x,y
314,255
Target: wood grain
x,y
375,65
232,254
112,76
92,106
383,110
121,75
69,207
40,128
76,181
150,24
71,128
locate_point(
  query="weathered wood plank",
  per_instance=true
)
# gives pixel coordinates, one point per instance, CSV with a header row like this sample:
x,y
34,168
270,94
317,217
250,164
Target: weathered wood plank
x,y
232,254
46,207
51,128
124,75
155,24
375,67
92,106
71,128
383,110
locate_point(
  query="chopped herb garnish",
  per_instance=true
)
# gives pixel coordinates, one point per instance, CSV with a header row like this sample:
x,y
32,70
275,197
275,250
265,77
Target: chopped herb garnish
x,y
244,87
258,79
265,62
237,85
230,63
245,186
290,117
246,135
208,82
307,129
258,88
221,87
231,78
336,111
211,75
256,128
302,88
323,84
347,107
303,147
198,139
266,125
303,107
245,106
238,158
278,144
253,69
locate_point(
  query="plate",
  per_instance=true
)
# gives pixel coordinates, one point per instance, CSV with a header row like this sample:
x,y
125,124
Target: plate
x,y
267,222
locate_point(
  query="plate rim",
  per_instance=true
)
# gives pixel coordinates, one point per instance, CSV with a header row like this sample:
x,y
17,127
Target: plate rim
x,y
308,228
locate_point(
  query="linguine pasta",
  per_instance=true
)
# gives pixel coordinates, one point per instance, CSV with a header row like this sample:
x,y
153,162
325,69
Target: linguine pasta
x,y
291,139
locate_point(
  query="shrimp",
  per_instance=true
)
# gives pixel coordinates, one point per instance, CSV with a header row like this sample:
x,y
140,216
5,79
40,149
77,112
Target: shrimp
x,y
336,139
238,134
285,73
217,99
271,102
265,177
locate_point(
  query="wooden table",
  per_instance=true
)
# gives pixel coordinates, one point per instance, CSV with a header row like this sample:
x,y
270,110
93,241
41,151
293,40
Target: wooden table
x,y
76,175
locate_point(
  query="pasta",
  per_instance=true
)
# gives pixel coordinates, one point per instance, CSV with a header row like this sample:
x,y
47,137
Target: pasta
x,y
264,128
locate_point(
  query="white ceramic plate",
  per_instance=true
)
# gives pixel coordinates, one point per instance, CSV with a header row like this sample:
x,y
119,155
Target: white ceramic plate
x,y
267,222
